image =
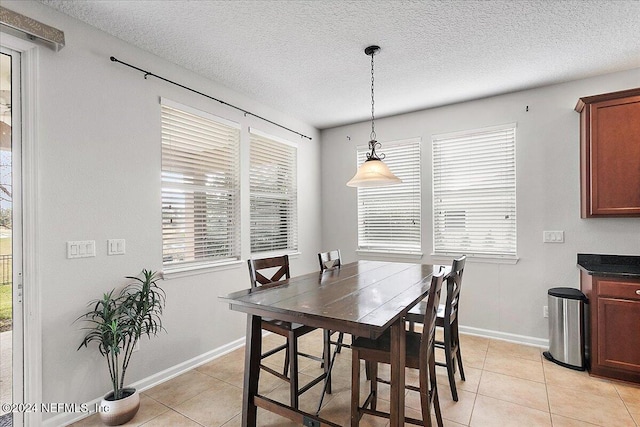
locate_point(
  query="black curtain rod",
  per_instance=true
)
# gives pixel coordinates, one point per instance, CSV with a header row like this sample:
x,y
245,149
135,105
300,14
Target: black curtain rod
x,y
147,74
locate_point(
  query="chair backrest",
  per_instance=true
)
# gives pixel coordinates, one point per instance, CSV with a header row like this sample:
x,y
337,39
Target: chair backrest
x,y
329,260
454,284
429,324
257,267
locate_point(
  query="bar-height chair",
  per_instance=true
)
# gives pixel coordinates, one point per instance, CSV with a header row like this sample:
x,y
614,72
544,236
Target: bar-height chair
x,y
331,260
448,320
419,355
328,261
258,271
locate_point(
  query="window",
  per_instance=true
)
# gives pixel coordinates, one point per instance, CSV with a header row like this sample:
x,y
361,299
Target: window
x,y
389,217
200,188
273,194
474,192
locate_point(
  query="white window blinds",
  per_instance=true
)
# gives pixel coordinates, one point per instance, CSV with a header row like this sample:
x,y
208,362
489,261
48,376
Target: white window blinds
x,y
474,192
200,187
389,217
273,194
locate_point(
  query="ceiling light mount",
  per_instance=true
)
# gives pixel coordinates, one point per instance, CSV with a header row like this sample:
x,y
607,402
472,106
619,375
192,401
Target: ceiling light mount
x,y
373,172
372,50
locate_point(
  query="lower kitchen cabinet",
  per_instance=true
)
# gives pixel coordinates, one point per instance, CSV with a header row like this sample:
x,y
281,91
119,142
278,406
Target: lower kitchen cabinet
x,y
615,326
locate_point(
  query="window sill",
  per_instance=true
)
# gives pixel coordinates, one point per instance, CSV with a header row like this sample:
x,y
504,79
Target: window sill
x,y
384,256
447,258
292,254
193,270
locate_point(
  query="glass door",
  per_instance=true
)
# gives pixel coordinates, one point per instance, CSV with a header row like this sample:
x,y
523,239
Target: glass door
x,y
11,319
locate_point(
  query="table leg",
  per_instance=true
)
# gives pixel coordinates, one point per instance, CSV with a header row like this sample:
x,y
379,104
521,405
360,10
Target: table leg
x,y
398,356
252,352
293,370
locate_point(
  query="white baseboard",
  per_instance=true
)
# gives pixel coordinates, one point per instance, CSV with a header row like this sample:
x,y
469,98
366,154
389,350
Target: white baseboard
x,y
151,381
504,336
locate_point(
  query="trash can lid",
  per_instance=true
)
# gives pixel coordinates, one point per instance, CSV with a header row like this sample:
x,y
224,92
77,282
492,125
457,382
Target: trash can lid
x,y
568,293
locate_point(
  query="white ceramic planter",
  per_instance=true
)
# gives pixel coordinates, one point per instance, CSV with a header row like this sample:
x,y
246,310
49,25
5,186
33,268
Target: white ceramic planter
x,y
117,412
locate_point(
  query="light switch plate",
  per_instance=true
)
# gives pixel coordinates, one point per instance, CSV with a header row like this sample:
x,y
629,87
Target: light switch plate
x,y
81,248
553,236
115,247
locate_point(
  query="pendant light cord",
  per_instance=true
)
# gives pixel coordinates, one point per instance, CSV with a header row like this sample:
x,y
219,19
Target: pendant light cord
x,y
373,131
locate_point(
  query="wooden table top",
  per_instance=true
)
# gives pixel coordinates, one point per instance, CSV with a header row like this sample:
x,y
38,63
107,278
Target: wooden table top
x,y
362,298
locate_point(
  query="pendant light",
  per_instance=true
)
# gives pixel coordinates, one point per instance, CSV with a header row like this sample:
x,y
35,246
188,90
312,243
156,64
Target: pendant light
x,y
373,172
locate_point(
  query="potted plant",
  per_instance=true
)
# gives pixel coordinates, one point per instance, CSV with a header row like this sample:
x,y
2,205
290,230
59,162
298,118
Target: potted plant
x,y
116,323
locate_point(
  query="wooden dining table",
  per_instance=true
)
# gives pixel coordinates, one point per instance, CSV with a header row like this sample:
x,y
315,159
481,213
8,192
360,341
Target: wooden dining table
x,y
363,298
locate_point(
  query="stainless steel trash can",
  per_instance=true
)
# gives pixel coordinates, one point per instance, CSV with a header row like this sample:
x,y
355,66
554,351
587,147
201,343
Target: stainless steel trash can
x,y
567,328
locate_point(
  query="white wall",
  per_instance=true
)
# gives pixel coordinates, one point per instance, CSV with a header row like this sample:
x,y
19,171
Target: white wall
x,y
99,178
500,299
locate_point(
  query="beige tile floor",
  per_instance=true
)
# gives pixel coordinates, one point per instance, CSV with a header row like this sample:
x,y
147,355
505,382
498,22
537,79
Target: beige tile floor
x,y
506,385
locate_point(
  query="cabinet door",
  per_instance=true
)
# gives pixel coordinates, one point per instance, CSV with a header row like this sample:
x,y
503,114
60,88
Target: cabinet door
x,y
618,341
615,157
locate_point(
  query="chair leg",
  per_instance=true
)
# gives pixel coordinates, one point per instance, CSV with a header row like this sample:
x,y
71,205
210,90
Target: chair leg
x,y
425,399
449,356
433,390
452,380
374,385
355,388
458,354
327,382
340,339
459,359
285,369
327,359
293,362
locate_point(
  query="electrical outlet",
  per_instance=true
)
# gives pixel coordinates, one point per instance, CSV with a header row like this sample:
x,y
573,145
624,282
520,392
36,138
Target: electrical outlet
x,y
545,311
310,422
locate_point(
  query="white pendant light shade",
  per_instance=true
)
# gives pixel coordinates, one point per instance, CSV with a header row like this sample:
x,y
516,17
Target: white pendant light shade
x,y
373,173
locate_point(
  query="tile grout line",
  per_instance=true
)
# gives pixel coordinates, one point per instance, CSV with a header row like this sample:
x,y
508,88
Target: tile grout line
x,y
169,409
475,398
546,389
158,402
624,402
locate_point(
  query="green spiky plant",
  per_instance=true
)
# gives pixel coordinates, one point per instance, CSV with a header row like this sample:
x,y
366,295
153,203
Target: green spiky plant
x,y
116,323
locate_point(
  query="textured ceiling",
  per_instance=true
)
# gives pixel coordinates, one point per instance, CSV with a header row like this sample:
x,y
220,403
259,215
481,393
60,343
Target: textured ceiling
x,y
306,58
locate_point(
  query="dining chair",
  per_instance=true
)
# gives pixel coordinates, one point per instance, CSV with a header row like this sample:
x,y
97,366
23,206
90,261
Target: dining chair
x,y
332,260
447,319
268,272
419,355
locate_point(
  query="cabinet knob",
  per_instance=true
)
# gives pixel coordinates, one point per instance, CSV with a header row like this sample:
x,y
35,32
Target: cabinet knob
x,y
638,292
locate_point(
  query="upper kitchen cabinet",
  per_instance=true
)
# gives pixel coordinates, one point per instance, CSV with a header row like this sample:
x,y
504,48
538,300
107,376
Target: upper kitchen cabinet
x,y
610,154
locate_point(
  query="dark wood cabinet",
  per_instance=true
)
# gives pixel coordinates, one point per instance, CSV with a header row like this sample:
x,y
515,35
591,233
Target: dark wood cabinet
x,y
610,154
614,349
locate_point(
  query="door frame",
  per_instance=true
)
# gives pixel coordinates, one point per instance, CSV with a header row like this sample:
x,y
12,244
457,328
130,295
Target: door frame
x,y
31,305
17,315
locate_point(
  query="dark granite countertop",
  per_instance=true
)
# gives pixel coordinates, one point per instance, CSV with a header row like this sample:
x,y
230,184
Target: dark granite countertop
x,y
610,265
